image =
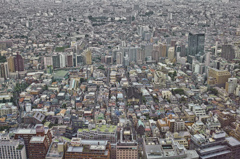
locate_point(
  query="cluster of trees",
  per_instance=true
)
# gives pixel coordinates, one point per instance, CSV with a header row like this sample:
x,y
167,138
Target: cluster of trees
x,y
97,19
213,91
178,91
149,13
3,59
101,67
172,75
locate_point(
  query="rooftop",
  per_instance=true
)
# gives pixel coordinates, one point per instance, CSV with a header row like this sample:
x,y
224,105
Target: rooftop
x,y
37,139
110,129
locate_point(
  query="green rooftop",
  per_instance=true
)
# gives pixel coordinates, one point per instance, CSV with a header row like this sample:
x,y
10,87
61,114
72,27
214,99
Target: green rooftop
x,y
111,128
67,139
60,74
47,124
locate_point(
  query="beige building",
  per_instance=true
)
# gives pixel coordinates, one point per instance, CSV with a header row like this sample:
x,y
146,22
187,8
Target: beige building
x,y
218,77
88,57
159,79
11,66
171,55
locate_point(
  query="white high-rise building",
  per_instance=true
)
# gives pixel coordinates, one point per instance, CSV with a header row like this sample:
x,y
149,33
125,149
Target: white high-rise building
x,y
231,85
207,61
11,148
62,60
119,58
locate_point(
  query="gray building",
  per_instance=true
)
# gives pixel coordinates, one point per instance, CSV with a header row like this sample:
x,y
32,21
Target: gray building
x,y
196,47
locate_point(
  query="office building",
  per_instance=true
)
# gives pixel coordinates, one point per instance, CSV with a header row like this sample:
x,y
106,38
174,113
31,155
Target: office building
x,y
19,63
218,77
231,85
38,147
119,58
140,56
28,134
88,57
216,145
11,64
69,60
62,58
228,52
195,47
11,149
171,53
56,61
4,71
108,60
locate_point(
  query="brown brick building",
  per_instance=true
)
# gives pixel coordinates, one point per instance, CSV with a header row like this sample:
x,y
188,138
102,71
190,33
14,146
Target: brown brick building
x,y
28,135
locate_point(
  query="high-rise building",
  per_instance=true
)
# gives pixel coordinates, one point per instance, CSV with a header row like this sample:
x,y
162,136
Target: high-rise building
x,y
56,61
38,147
218,77
11,65
62,60
195,46
48,61
108,59
127,147
119,58
231,85
19,63
4,71
88,57
28,137
171,54
79,60
220,146
163,50
10,148
228,52
69,60
140,56
156,52
132,54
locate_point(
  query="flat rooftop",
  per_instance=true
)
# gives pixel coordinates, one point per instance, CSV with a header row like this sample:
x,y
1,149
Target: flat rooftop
x,y
75,149
37,139
110,129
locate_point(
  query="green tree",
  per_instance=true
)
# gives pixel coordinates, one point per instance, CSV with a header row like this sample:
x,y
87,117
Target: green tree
x,y
4,100
46,87
64,106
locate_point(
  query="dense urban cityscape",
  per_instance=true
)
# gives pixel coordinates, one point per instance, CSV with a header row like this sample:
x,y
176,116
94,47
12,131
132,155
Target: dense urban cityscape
x,y
110,79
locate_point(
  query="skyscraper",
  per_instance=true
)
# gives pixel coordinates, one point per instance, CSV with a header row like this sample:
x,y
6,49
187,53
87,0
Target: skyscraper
x,y
4,72
119,58
88,57
56,61
195,47
171,53
70,60
228,52
11,65
62,59
19,63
